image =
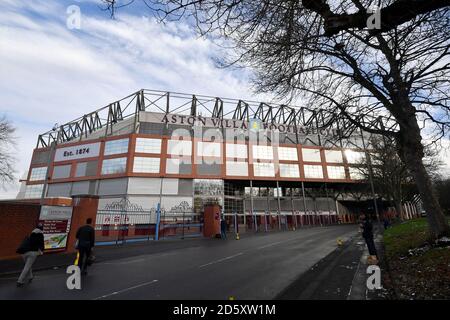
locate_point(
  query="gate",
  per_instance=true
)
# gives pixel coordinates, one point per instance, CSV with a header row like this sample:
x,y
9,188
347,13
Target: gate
x,y
180,225
123,221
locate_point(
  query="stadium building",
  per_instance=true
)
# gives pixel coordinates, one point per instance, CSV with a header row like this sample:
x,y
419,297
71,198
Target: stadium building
x,y
157,157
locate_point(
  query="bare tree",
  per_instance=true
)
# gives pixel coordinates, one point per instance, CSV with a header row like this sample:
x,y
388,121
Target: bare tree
x,y
6,144
390,175
327,53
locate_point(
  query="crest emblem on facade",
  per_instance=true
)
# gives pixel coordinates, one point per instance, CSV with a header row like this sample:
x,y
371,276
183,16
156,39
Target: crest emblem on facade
x,y
255,124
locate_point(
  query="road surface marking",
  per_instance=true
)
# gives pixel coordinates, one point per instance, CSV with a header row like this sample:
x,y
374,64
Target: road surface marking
x,y
125,290
279,242
221,260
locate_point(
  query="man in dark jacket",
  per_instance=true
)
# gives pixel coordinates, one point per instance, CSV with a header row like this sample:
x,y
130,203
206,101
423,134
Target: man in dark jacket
x,y
223,228
34,247
367,233
86,239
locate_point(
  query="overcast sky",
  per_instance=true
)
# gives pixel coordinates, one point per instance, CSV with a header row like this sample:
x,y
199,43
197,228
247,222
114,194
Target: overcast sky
x,y
52,74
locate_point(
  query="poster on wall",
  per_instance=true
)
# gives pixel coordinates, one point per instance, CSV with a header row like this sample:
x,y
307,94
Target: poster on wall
x,y
56,221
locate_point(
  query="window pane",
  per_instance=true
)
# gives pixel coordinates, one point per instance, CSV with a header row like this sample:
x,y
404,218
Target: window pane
x,y
237,168
61,172
312,155
262,152
236,150
285,153
313,171
34,191
116,147
86,169
263,169
356,174
333,156
208,187
208,149
355,157
145,145
178,166
146,165
111,166
179,147
289,170
38,173
336,172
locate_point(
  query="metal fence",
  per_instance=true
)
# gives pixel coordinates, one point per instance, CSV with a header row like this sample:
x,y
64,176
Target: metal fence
x,y
115,226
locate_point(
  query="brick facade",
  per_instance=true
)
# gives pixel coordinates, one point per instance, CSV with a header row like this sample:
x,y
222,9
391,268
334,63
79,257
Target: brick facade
x,y
17,220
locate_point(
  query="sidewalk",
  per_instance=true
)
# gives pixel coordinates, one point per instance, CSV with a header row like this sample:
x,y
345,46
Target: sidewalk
x,y
359,290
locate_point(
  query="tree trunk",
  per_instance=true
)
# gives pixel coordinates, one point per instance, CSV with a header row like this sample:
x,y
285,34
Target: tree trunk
x,y
411,151
398,208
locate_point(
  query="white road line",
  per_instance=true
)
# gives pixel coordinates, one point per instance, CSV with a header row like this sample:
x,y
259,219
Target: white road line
x,y
279,242
270,245
125,290
221,260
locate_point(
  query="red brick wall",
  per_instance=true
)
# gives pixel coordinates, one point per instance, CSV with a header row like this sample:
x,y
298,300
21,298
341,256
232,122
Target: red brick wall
x,y
84,207
17,220
211,225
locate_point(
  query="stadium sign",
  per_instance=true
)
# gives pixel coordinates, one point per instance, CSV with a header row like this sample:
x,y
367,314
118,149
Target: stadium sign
x,y
252,124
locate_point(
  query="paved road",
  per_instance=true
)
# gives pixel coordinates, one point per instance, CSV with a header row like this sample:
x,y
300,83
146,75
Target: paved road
x,y
256,267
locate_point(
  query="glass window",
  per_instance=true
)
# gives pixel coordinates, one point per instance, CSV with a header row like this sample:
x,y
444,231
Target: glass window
x,y
146,165
179,147
312,155
61,172
116,147
262,152
178,166
145,145
355,157
356,173
237,168
208,187
209,168
333,156
313,171
112,166
86,169
38,173
208,149
289,170
262,169
34,191
286,153
236,150
336,172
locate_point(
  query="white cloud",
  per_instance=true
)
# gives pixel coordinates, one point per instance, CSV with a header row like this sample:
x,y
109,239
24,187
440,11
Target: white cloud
x,y
53,74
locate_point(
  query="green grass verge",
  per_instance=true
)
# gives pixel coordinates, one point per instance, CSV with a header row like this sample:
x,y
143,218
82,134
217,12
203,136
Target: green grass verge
x,y
404,236
422,276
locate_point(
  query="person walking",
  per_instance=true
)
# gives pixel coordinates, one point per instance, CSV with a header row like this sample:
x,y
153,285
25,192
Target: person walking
x,y
367,233
223,228
85,242
31,248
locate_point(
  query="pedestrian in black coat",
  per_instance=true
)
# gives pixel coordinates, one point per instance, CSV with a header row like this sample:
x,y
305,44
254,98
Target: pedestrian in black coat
x,y
367,233
85,242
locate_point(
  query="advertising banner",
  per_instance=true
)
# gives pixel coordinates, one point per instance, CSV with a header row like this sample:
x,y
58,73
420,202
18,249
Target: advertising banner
x,y
56,221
